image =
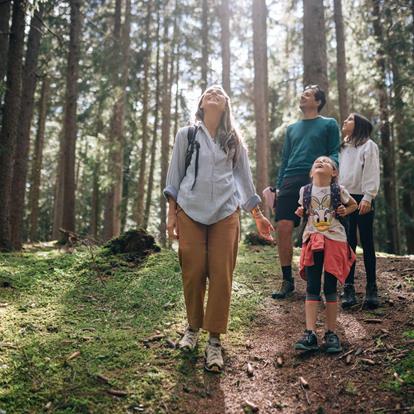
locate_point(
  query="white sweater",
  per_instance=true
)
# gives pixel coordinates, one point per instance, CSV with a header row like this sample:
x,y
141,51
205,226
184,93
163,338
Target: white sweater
x,y
359,169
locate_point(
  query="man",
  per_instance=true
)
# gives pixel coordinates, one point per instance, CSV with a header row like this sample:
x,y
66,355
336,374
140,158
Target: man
x,y
306,140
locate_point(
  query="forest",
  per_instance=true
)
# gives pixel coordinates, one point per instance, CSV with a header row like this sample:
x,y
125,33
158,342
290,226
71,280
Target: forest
x,y
92,94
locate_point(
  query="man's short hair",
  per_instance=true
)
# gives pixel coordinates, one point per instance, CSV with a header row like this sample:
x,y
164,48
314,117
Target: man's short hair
x,y
319,95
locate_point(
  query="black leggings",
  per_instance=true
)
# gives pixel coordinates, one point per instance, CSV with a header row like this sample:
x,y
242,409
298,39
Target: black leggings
x,y
313,275
366,234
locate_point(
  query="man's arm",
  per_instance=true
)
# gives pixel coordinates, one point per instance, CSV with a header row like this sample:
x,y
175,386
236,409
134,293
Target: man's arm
x,y
285,159
334,141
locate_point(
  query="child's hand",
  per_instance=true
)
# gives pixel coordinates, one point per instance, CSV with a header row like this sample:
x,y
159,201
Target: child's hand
x,y
341,211
300,211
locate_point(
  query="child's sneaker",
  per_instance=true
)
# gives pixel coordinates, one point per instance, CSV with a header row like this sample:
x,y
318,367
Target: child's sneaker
x,y
309,342
331,344
189,340
214,356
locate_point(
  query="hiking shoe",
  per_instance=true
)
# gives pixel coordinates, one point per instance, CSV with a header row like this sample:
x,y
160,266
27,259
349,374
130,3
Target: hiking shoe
x,y
286,290
348,297
331,343
371,297
309,342
189,340
214,356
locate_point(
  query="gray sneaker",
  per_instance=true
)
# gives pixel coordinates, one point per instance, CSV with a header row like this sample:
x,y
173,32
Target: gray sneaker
x,y
189,340
214,356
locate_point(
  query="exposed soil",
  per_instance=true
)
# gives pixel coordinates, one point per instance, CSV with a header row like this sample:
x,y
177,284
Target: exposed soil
x,y
351,382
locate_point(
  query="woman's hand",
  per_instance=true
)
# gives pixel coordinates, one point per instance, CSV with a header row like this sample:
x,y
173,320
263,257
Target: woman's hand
x,y
300,211
364,207
264,227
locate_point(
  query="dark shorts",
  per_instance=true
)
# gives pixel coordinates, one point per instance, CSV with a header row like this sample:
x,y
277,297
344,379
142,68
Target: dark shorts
x,y
288,196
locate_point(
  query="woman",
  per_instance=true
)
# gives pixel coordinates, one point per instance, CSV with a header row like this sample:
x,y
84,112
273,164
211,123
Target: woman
x,y
204,198
359,172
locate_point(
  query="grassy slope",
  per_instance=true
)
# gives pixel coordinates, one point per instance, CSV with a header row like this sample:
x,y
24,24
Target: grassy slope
x,y
59,304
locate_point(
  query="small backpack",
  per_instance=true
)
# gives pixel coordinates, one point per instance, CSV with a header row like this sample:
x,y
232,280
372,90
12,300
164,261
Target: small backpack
x,y
335,201
192,143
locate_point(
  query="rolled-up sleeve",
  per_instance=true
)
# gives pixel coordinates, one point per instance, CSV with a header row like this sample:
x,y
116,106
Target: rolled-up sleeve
x,y
244,182
176,169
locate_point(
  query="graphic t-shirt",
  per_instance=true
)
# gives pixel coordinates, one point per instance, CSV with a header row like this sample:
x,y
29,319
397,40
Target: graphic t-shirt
x,y
321,214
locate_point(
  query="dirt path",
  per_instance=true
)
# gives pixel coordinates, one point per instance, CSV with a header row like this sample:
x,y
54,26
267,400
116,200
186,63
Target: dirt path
x,y
336,384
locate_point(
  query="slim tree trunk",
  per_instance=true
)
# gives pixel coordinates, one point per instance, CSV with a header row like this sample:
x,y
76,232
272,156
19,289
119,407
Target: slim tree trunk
x,y
388,151
225,44
341,60
261,100
144,123
165,129
155,127
37,161
204,44
4,40
23,130
69,120
8,130
315,61
112,224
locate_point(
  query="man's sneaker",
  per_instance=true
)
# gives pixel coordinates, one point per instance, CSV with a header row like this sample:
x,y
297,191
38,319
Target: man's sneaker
x,y
287,288
348,297
331,343
214,356
371,297
189,340
309,342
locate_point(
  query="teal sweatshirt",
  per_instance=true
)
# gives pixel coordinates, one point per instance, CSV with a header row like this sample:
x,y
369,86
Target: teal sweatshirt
x,y
305,141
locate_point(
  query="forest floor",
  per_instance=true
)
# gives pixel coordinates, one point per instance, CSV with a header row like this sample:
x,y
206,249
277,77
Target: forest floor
x,y
91,333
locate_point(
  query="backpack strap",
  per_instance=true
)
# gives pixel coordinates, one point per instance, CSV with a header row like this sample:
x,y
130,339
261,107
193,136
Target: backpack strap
x,y
335,196
192,143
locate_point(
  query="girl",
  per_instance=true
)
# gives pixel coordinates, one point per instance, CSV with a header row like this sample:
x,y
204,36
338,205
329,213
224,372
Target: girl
x,y
208,180
360,174
323,204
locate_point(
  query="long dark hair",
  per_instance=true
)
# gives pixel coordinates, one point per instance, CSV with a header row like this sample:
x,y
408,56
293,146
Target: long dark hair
x,y
362,131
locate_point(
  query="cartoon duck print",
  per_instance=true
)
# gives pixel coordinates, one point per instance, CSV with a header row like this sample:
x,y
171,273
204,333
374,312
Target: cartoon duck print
x,y
321,212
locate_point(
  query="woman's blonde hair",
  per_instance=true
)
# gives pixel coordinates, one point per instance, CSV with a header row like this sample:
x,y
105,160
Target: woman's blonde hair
x,y
228,137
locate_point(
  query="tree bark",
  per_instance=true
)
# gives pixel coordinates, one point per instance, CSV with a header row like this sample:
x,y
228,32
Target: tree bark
x,y
4,39
388,151
37,161
225,44
69,121
8,131
165,129
144,123
23,129
204,45
261,100
155,127
112,219
341,61
315,61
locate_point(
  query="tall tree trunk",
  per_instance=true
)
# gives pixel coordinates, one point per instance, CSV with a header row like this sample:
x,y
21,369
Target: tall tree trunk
x,y
388,151
58,194
144,123
23,129
69,119
95,208
225,44
261,100
204,44
112,224
341,60
155,127
37,161
4,40
315,61
8,131
165,128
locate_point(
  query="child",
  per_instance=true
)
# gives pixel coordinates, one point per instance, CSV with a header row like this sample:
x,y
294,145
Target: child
x,y
323,204
360,174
